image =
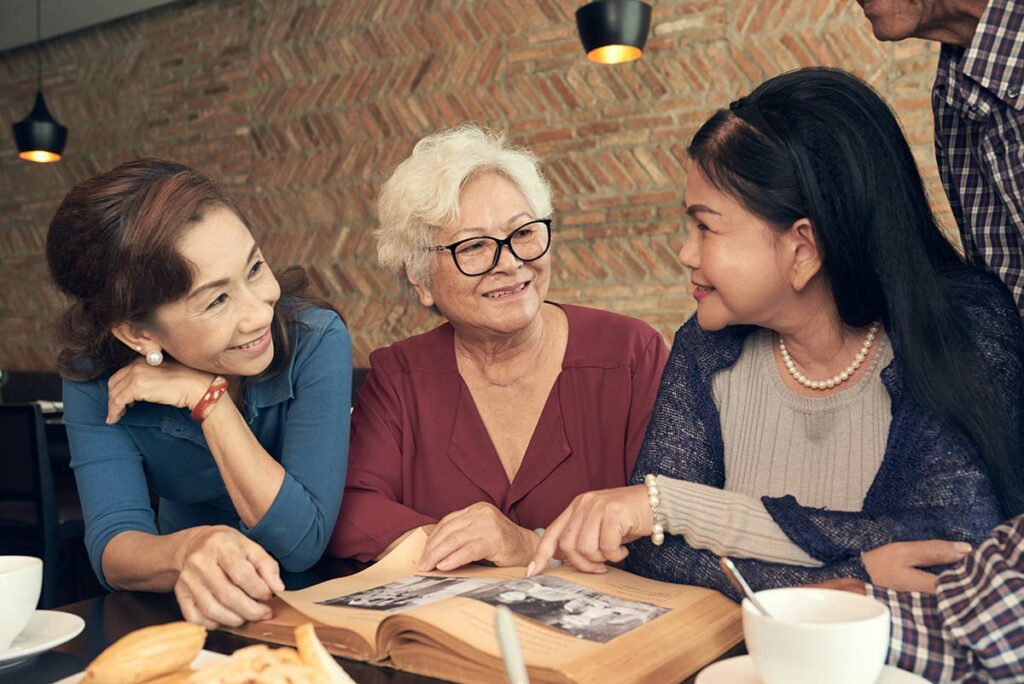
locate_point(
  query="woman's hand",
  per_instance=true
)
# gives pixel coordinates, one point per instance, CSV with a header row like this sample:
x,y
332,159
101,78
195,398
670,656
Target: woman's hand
x,y
169,383
224,576
479,532
897,565
595,528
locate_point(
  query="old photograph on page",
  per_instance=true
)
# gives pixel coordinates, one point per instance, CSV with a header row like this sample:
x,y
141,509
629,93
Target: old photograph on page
x,y
408,593
578,610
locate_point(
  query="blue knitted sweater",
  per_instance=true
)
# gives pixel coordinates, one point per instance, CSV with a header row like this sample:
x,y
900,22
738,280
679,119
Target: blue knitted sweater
x,y
931,483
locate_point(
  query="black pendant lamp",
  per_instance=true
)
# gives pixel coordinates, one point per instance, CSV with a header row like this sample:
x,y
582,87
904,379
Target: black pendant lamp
x,y
38,136
614,31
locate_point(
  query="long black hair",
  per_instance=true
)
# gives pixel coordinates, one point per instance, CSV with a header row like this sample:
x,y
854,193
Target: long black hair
x,y
820,144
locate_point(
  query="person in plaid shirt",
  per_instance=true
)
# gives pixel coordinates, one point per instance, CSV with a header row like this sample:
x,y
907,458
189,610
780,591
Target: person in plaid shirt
x,y
978,101
967,624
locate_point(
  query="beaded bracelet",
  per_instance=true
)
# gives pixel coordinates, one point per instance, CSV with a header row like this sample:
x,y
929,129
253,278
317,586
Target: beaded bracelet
x,y
654,498
214,392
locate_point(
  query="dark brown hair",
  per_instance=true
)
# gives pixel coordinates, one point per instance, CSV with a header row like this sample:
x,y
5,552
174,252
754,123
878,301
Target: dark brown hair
x,y
112,248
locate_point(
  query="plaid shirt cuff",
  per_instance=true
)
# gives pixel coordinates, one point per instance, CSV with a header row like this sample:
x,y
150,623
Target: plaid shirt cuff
x,y
917,642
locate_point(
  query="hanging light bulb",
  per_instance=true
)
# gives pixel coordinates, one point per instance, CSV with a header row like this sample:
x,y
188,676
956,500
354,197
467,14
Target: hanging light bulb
x,y
614,31
39,137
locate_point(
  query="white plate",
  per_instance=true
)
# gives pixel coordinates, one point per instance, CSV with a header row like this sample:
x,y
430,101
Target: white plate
x,y
45,630
740,670
204,658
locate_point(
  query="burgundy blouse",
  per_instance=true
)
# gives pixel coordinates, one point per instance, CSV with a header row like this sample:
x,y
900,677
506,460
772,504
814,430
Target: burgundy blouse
x,y
419,449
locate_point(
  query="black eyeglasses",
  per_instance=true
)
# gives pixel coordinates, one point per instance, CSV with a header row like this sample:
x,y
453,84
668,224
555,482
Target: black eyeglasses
x,y
476,256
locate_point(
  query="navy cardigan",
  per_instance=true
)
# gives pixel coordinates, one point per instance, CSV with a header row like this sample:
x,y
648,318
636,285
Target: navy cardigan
x,y
930,484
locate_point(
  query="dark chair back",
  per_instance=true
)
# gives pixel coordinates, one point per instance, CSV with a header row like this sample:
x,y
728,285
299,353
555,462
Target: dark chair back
x,y
25,386
27,500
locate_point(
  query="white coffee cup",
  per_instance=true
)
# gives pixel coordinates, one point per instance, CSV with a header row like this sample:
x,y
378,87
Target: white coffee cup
x,y
817,635
21,579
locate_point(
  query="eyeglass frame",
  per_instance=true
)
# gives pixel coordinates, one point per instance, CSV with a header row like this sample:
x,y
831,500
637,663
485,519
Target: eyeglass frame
x,y
506,242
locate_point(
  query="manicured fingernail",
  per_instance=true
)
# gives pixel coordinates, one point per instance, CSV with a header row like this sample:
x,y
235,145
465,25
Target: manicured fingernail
x,y
529,569
962,547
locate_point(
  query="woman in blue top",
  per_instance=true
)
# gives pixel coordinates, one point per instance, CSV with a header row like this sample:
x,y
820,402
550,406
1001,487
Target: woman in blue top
x,y
847,382
191,371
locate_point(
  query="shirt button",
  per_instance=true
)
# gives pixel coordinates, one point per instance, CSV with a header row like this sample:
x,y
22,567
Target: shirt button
x,y
1013,91
999,149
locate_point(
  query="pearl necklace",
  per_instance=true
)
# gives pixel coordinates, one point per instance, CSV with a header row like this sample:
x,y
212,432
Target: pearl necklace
x,y
835,379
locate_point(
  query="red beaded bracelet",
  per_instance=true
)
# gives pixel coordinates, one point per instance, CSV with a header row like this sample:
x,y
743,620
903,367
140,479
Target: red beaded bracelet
x,y
216,390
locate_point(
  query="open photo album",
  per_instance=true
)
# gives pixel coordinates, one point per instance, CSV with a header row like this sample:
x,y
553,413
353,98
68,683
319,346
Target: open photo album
x,y
572,626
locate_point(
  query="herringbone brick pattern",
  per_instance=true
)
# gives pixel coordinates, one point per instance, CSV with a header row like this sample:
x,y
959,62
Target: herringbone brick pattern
x,y
303,107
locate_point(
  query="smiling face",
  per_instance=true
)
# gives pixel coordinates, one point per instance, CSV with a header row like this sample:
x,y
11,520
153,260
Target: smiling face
x,y
222,325
738,270
506,299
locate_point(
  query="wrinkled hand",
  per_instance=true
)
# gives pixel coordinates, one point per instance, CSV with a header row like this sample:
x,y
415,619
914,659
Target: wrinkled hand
x,y
224,577
595,528
896,566
478,532
169,383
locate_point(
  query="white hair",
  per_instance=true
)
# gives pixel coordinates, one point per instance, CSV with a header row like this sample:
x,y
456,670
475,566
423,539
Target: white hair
x,y
423,193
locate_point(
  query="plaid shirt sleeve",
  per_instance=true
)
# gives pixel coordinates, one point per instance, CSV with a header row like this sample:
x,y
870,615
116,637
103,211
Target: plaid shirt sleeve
x,y
972,629
978,102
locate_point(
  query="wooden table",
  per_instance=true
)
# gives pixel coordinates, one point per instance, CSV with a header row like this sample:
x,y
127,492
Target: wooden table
x,y
108,618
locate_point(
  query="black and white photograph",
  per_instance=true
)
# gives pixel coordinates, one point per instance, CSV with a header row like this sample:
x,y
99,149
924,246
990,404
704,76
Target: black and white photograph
x,y
572,608
408,593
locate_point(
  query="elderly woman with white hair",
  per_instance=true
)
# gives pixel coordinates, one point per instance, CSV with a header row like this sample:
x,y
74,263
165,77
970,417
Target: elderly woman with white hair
x,y
483,429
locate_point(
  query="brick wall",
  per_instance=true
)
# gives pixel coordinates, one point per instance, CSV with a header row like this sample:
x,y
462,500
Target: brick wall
x,y
302,108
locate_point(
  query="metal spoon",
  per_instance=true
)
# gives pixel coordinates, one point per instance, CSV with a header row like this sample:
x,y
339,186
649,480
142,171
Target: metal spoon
x,y
735,578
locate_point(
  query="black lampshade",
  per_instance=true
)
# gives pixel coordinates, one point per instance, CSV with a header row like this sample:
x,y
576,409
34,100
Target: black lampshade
x,y
614,31
38,136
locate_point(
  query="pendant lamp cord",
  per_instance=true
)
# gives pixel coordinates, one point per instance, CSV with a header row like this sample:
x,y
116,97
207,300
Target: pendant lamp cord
x,y
39,49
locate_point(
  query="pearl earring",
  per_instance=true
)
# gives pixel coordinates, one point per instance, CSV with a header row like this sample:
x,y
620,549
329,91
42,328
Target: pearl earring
x,y
138,348
154,358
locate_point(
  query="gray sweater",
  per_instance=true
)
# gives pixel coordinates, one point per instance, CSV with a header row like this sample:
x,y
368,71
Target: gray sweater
x,y
824,451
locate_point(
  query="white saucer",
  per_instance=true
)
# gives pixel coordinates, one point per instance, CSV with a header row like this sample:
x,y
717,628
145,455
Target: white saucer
x,y
204,658
740,670
45,630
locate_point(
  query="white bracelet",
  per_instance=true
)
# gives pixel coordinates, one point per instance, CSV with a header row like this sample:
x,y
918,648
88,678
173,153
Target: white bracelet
x,y
657,529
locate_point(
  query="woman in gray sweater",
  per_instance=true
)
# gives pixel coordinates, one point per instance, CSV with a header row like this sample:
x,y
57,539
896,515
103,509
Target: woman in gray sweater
x,y
848,381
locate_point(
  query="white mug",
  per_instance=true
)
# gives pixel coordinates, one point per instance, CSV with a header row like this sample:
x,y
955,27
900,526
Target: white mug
x,y
817,635
21,579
